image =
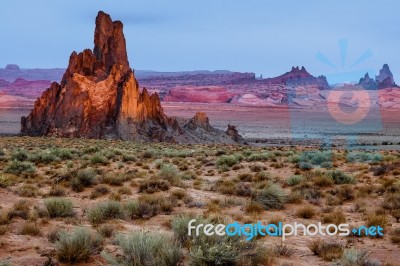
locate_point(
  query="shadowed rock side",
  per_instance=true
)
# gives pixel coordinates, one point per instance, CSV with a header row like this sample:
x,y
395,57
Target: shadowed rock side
x,y
99,97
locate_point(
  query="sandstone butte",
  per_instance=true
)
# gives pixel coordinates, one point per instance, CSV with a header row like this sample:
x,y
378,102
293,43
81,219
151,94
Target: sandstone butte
x,y
99,97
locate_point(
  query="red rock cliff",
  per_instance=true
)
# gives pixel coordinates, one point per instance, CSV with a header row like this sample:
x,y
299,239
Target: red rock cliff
x,y
99,97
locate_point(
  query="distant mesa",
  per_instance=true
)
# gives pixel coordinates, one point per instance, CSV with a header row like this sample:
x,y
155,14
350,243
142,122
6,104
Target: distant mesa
x,y
205,94
99,97
297,77
12,67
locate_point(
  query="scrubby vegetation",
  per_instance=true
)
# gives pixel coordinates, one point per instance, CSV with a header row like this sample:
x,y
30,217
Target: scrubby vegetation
x,y
89,200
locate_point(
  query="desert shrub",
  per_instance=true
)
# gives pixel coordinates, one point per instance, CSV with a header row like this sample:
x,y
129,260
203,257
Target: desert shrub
x,y
86,177
271,197
18,167
43,157
227,160
27,190
6,181
126,157
323,181
59,207
392,201
4,217
19,155
63,154
20,209
363,157
354,257
132,210
311,159
31,229
153,185
99,191
253,207
395,235
245,177
344,192
180,224
336,217
113,179
294,180
328,251
76,247
377,219
142,248
306,212
151,205
170,173
105,211
97,158
259,156
339,177
57,191
227,250
106,230
283,250
5,263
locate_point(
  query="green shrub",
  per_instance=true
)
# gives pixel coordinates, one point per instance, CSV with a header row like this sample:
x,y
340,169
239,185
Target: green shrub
x,y
105,211
271,197
76,247
5,181
227,250
354,257
18,167
153,185
132,209
227,160
19,155
170,173
140,248
98,159
294,180
59,207
339,177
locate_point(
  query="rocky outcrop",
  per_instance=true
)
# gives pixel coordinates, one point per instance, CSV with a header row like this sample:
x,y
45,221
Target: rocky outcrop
x,y
297,77
385,78
367,83
99,97
200,120
234,134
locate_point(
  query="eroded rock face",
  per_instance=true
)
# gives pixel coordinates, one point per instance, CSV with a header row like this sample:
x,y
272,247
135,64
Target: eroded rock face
x,y
385,78
200,120
99,96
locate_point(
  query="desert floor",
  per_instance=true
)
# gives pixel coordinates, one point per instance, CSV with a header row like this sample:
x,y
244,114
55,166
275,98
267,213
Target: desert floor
x,y
49,187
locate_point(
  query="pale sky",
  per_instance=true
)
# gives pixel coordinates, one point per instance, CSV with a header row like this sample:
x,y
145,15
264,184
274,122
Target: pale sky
x,y
261,36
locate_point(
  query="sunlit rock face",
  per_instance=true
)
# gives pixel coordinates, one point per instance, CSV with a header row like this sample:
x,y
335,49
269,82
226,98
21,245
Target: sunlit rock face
x,y
99,97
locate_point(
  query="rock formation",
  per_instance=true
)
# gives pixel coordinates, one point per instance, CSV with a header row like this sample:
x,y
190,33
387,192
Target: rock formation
x,y
385,78
297,77
99,97
367,83
200,120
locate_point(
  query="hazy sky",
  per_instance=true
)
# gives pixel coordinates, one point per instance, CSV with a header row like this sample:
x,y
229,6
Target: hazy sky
x,y
261,36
